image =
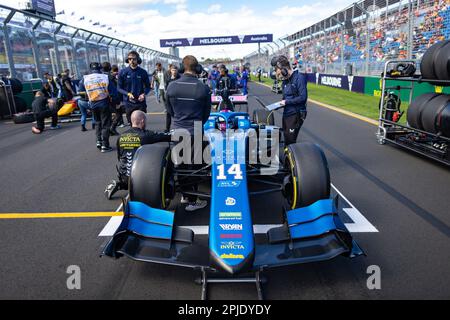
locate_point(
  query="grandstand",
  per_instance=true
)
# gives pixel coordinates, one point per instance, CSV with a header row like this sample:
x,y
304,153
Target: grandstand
x,y
368,33
32,44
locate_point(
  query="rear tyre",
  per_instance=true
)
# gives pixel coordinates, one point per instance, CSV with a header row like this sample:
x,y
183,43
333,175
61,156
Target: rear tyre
x,y
416,109
150,175
264,117
309,179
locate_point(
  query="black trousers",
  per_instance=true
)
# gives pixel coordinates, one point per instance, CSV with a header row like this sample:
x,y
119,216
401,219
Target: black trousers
x,y
40,118
130,109
102,117
292,126
117,118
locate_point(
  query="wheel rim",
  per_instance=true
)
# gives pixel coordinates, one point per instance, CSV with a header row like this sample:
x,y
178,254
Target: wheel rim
x,y
292,195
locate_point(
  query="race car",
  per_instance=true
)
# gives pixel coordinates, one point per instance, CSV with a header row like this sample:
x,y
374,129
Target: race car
x,y
311,230
226,99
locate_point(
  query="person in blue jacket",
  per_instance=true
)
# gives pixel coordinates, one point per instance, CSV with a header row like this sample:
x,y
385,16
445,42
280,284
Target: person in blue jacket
x,y
213,77
134,85
244,80
295,98
99,90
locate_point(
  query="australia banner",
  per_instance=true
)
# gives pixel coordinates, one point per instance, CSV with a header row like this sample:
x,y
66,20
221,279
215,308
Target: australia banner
x,y
213,41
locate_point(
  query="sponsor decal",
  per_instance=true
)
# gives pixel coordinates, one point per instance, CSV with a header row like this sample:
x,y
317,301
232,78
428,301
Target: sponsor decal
x,y
232,256
231,227
231,245
229,184
231,236
230,202
230,215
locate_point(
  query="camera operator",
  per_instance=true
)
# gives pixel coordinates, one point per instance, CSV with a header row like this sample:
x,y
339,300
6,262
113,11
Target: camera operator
x,y
127,145
226,78
134,85
295,98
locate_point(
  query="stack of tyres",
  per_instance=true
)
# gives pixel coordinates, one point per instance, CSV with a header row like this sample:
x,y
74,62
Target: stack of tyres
x,y
436,62
431,113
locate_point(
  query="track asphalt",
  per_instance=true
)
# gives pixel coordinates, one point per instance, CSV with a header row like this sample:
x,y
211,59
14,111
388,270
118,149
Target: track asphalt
x,y
406,197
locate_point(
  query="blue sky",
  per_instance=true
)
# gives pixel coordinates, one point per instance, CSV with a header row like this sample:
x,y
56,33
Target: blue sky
x,y
145,22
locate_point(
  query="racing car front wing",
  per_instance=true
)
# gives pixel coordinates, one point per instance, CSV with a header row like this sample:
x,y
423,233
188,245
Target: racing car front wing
x,y
311,234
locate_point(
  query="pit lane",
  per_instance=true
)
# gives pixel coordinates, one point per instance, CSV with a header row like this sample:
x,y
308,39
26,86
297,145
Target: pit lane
x,y
403,196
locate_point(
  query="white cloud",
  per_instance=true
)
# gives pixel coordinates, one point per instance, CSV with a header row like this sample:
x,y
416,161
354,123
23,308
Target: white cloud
x,y
214,8
141,21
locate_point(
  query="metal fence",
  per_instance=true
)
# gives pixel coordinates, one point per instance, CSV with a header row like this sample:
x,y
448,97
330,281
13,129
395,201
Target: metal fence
x,y
362,37
31,45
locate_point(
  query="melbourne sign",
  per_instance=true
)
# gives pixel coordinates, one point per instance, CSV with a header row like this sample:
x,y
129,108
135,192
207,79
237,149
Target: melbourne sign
x,y
211,41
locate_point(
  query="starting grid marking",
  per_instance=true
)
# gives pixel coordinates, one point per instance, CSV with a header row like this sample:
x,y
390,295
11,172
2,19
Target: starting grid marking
x,y
360,223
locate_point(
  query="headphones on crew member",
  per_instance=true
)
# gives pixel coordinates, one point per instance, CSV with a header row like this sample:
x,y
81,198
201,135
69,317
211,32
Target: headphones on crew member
x,y
95,66
224,68
139,60
198,69
280,62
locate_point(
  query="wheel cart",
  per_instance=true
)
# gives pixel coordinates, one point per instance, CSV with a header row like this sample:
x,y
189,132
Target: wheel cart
x,y
433,146
7,103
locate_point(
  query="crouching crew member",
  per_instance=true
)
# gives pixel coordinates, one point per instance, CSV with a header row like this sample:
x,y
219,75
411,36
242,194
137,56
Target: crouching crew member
x,y
100,92
44,108
127,145
134,85
295,98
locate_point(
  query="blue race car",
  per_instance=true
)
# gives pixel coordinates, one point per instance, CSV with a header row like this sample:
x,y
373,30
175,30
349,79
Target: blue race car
x,y
311,231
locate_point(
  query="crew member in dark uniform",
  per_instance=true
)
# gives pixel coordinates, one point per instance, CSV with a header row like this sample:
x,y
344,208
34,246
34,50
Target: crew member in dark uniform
x,y
295,98
188,102
134,85
127,145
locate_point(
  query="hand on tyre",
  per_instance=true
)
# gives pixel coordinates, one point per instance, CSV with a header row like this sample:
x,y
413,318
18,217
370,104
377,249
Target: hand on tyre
x,y
141,97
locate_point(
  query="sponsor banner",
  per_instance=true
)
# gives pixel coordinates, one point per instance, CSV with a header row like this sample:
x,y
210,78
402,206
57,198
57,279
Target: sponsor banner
x,y
169,43
44,6
211,41
258,38
349,83
214,41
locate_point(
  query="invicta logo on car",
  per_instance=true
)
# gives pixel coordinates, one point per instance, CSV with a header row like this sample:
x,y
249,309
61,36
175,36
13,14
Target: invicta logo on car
x,y
232,246
231,227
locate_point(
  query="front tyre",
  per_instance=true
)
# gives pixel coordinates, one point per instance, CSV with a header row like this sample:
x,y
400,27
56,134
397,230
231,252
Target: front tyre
x,y
151,176
308,180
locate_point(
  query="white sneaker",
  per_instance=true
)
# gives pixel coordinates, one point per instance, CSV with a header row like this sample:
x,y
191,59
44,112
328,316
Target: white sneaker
x,y
200,204
184,200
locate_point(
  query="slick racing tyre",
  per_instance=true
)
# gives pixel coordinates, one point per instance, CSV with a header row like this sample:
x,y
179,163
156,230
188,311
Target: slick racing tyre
x,y
16,86
264,117
21,104
432,111
429,59
308,180
25,117
442,62
417,107
150,176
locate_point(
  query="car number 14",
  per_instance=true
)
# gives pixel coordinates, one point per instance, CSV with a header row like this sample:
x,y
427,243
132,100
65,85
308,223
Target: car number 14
x,y
235,171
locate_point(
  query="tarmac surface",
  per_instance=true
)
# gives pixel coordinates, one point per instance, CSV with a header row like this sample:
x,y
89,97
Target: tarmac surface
x,y
399,206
